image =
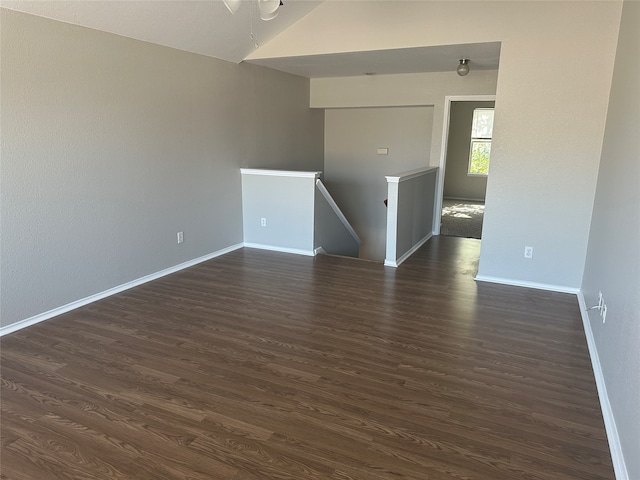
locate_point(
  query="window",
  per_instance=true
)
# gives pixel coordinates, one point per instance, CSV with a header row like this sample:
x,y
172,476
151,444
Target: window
x,y
481,133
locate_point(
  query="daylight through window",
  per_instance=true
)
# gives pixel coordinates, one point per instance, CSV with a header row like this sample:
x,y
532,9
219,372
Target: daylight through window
x,y
481,134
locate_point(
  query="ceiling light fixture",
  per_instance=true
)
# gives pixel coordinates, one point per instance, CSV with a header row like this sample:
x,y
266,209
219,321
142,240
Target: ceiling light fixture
x,y
268,8
463,68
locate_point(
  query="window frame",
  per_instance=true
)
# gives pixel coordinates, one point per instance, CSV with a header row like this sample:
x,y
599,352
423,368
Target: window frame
x,y
479,139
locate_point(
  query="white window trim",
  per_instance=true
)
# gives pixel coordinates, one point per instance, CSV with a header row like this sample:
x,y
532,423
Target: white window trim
x,y
469,173
481,139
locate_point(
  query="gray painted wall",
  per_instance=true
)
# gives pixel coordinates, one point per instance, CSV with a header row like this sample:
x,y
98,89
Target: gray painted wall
x,y
110,146
287,205
330,233
457,183
549,125
416,198
613,258
355,174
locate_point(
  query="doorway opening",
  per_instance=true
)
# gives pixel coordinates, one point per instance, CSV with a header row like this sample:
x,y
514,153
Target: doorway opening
x,y
462,218
464,165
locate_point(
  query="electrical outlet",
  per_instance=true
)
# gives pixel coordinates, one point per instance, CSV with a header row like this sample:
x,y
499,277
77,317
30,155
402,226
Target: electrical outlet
x,y
180,237
263,222
528,252
603,312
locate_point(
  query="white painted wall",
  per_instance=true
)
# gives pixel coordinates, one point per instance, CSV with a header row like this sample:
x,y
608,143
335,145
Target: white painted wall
x,y
556,63
110,146
354,172
613,257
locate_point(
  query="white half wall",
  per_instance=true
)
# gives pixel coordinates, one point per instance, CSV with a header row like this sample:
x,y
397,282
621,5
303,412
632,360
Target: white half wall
x,y
278,209
410,212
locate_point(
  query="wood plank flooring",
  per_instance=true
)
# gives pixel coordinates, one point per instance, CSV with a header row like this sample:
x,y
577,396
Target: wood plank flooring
x,y
260,365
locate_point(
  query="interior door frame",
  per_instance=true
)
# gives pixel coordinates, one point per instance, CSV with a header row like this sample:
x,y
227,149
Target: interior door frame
x,y
437,218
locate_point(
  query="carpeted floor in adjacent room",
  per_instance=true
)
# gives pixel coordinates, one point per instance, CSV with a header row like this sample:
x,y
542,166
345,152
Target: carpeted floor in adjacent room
x,y
462,218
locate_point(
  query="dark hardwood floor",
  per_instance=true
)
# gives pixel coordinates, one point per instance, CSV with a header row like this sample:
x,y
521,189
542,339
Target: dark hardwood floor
x,y
260,365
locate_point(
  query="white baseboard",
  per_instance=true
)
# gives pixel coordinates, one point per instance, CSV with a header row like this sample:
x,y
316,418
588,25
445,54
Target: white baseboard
x,y
297,251
319,251
615,447
407,254
112,291
464,199
518,283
